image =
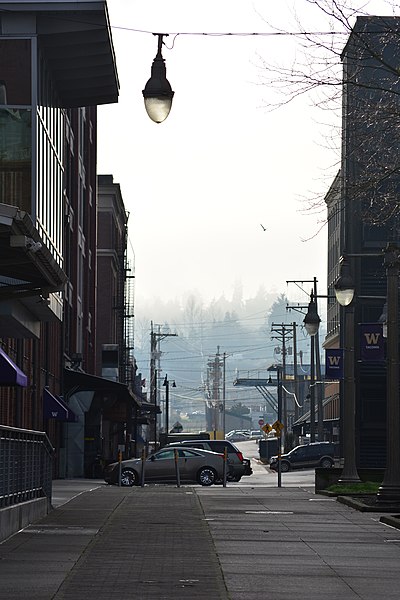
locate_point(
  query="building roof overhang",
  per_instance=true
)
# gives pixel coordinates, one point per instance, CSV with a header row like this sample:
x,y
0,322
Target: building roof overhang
x,y
75,37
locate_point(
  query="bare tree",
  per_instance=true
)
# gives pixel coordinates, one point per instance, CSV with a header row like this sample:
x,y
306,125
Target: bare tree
x,y
353,66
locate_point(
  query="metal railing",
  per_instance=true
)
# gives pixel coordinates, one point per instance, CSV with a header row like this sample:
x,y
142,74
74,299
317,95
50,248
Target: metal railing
x,y
26,460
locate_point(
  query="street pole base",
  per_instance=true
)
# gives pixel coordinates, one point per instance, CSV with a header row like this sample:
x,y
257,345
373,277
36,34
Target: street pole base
x,y
388,494
349,476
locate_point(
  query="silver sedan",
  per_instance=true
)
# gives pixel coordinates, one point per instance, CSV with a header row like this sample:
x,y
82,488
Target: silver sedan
x,y
199,466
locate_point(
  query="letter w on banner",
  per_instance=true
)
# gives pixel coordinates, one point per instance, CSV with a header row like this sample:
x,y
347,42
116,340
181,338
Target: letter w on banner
x,y
372,342
334,363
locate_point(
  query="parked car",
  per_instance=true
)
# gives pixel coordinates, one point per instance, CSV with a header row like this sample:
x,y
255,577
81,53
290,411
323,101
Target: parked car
x,y
201,466
256,434
316,454
238,436
235,431
239,465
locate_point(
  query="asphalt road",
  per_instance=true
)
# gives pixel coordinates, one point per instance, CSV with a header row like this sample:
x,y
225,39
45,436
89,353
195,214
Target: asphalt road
x,y
263,476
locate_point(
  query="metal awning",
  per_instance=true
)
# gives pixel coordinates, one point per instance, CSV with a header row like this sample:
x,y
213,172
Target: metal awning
x,y
54,407
10,373
78,381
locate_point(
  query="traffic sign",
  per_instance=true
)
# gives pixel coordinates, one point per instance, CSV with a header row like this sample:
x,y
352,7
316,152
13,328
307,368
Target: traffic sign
x,y
266,428
261,422
278,426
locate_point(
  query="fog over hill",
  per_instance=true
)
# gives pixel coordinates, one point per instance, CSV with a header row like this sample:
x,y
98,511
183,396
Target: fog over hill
x,y
235,332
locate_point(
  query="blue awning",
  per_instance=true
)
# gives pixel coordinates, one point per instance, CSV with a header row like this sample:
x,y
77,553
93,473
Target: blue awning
x,y
10,374
54,407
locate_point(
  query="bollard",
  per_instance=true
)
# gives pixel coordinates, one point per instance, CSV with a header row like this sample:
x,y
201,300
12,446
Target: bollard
x,y
225,465
279,460
178,475
119,467
142,476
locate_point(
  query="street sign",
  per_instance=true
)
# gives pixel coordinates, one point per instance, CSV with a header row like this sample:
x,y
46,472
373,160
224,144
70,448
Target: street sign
x,y
266,428
278,426
261,421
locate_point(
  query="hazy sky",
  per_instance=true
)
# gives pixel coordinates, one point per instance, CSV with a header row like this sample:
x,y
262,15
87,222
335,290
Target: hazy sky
x,y
199,186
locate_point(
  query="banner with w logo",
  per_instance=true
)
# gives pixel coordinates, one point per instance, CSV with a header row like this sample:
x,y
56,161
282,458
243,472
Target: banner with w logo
x,y
372,342
334,363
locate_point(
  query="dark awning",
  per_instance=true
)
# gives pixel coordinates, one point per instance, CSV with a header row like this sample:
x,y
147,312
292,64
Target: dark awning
x,y
54,407
149,407
10,373
77,381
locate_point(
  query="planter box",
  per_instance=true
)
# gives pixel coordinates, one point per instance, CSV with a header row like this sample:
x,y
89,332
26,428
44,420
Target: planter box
x,y
324,478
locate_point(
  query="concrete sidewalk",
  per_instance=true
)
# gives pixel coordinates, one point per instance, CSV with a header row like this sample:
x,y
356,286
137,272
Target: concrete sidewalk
x,y
161,542
146,543
289,543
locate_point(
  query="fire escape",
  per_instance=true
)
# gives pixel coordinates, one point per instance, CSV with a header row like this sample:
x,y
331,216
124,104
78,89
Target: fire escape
x,y
125,311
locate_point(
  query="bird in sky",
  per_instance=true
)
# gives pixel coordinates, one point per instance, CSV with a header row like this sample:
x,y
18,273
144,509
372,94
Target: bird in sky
x,y
263,228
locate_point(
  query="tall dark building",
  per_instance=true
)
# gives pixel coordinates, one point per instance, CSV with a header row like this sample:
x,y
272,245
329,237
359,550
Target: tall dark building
x,y
364,207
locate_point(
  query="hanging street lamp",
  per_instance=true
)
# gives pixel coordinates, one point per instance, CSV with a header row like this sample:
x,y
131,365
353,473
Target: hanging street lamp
x,y
158,93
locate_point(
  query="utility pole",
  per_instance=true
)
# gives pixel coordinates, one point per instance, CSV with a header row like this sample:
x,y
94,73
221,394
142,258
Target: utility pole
x,y
283,332
214,376
155,338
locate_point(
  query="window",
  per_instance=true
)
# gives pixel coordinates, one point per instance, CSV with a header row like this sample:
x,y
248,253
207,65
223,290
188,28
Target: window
x,y
188,454
166,454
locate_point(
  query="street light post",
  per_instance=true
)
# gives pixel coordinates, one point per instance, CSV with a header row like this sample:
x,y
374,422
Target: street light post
x,y
166,384
279,390
311,323
344,290
279,416
389,492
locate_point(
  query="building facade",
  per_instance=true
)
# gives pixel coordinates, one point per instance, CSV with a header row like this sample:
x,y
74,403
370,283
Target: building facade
x,y
364,210
57,64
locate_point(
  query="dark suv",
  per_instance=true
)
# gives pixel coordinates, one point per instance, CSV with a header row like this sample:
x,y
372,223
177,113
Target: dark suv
x,y
317,454
238,466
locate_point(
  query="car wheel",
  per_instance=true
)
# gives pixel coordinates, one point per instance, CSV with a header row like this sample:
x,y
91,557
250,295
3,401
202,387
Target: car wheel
x,y
285,467
326,463
129,478
206,476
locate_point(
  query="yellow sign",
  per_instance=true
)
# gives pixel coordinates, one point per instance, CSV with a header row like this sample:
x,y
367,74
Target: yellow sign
x,y
278,426
266,428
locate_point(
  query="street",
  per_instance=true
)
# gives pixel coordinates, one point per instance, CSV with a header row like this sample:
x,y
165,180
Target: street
x,y
263,476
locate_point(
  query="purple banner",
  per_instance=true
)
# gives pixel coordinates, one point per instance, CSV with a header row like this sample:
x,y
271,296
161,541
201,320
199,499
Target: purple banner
x,y
334,363
372,342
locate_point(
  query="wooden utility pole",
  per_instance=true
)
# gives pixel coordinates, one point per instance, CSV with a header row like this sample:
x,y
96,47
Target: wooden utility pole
x,y
155,338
